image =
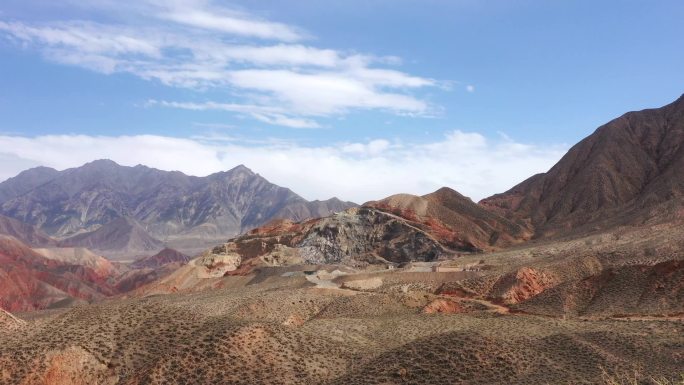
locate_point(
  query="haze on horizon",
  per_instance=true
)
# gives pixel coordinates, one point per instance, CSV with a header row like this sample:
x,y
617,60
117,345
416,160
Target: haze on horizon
x,y
358,100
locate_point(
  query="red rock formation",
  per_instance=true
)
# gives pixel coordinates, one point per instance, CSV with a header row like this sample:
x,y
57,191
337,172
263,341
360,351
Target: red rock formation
x,y
454,220
441,305
522,284
29,281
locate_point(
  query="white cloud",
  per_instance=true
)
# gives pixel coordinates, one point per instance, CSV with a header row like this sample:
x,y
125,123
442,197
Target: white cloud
x,y
200,45
286,121
468,162
374,147
470,88
269,115
222,20
325,93
86,37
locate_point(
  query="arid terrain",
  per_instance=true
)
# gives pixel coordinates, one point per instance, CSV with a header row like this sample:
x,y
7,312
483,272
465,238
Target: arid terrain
x,y
575,276
505,319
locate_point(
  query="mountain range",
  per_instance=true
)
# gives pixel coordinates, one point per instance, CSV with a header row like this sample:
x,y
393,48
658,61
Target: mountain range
x,y
127,211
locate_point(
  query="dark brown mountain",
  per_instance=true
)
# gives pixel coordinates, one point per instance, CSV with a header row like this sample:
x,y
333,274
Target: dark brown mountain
x,y
25,232
629,171
160,259
29,281
185,211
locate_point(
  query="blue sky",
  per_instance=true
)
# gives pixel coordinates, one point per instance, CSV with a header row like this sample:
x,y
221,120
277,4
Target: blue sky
x,y
358,99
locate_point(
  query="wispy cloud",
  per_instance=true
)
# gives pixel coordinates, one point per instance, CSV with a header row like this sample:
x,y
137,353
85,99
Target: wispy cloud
x,y
271,115
469,162
197,44
236,24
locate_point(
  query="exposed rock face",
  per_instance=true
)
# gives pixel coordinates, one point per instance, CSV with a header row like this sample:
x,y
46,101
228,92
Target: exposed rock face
x,y
522,284
169,206
628,171
366,235
358,236
441,305
396,230
29,281
355,237
217,262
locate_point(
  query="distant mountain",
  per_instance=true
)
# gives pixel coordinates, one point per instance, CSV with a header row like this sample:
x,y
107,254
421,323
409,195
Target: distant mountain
x,y
120,236
25,232
160,259
187,211
629,171
25,182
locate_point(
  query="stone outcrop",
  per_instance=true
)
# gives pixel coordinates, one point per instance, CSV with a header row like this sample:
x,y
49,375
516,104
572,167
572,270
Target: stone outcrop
x,y
217,262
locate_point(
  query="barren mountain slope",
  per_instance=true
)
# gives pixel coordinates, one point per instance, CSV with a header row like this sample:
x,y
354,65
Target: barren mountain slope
x,y
452,215
628,171
29,281
121,236
81,256
25,232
